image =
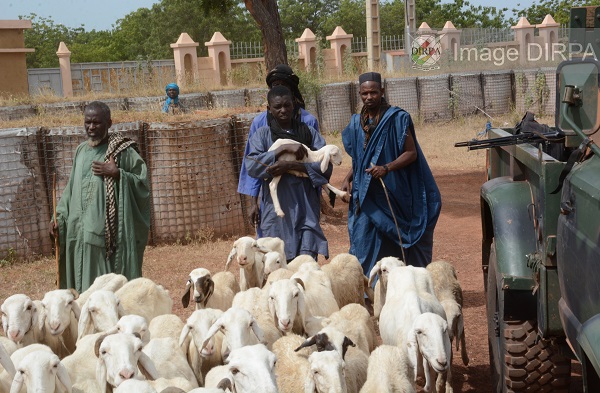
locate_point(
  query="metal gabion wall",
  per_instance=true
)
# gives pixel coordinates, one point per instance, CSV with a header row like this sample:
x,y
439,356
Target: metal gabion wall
x,y
549,101
434,98
467,94
24,210
193,179
228,98
402,92
497,92
335,107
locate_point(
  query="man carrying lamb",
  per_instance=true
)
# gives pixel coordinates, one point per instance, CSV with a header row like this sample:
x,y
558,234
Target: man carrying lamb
x,y
103,216
299,196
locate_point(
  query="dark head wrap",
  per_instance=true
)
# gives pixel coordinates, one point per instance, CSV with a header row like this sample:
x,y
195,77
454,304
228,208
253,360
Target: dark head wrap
x,y
369,77
284,72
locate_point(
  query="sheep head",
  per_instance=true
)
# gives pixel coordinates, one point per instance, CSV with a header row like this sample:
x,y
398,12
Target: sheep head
x,y
202,285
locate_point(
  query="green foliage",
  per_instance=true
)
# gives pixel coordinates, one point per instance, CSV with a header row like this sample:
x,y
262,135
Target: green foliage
x,y
559,9
9,259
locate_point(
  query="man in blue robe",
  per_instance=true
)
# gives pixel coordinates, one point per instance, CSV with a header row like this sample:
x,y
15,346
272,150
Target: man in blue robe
x,y
280,75
382,143
299,196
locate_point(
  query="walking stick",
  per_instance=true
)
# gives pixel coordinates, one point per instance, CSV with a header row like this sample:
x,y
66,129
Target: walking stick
x,y
393,215
56,245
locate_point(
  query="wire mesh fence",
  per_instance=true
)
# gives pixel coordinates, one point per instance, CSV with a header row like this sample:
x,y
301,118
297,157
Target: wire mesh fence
x,y
24,210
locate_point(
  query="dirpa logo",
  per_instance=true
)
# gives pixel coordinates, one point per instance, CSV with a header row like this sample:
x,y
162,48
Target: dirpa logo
x,y
426,50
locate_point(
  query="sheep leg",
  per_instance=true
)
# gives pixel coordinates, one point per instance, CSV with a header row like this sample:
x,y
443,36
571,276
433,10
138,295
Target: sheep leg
x,y
273,191
338,192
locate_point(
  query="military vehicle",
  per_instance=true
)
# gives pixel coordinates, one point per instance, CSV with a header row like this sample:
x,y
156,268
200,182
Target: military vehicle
x,y
540,213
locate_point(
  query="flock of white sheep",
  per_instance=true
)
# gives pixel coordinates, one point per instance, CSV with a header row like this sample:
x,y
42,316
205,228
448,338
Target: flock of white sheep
x,y
297,327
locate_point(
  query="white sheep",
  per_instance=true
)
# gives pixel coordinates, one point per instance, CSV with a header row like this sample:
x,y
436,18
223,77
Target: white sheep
x,y
250,369
354,321
39,371
409,294
449,293
7,347
7,376
239,327
292,368
356,361
348,281
202,357
273,261
108,282
381,271
142,296
132,324
429,348
22,319
170,361
62,314
119,357
300,260
328,372
389,371
318,296
100,313
278,274
325,155
287,305
248,256
210,291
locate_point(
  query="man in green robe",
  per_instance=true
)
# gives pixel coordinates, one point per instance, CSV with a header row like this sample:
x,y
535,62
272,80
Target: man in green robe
x,y
103,216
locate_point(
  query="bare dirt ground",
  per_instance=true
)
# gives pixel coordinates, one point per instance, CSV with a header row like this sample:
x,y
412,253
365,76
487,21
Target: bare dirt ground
x,y
457,240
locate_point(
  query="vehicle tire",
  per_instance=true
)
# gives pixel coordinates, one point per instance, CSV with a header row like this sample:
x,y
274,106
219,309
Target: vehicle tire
x,y
520,361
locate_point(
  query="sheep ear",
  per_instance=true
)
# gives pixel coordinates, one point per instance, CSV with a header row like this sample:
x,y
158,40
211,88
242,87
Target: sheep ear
x,y
147,367
230,257
211,332
258,332
17,383
374,272
309,385
301,311
413,352
185,299
97,345
85,325
6,362
75,293
347,343
300,282
183,336
63,376
211,289
101,375
325,161
461,334
225,384
309,342
76,310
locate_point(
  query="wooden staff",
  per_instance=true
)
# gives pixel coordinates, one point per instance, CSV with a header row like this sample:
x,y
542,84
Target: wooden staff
x,y
56,245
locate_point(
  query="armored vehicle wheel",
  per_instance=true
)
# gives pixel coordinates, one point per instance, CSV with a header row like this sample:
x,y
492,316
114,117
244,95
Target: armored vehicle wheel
x,y
520,361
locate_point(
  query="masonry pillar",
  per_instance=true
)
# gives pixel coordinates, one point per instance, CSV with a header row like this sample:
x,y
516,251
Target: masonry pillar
x,y
524,32
219,52
548,32
13,65
186,59
64,61
373,34
341,44
450,39
307,48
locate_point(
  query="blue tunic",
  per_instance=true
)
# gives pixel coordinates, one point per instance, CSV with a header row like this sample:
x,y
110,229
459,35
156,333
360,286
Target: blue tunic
x,y
249,185
299,198
412,190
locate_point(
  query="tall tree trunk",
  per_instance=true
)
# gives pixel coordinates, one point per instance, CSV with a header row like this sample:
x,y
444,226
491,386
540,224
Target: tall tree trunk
x,y
266,15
